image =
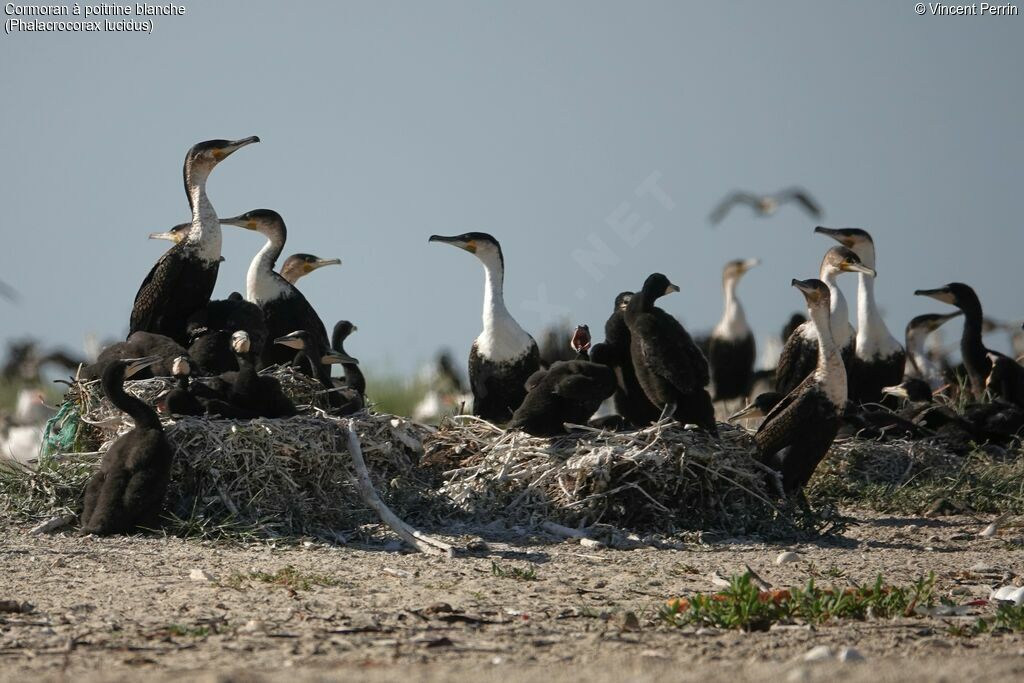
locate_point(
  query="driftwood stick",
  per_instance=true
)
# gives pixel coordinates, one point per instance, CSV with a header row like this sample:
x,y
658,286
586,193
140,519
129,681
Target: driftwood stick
x,y
564,531
418,540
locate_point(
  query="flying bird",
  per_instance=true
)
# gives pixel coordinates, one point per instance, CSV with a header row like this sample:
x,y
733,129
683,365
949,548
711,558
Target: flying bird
x,y
766,205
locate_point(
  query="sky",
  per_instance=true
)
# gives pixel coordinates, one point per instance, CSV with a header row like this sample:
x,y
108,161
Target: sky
x,y
608,128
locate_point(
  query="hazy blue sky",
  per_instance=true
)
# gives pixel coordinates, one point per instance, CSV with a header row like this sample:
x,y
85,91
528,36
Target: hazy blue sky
x,y
384,122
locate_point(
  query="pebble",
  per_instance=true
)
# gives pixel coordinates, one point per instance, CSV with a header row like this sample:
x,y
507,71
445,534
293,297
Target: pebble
x,y
982,568
818,654
200,575
788,556
850,654
591,543
798,675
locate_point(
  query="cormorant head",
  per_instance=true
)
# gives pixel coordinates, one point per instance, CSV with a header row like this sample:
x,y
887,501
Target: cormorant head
x,y
481,244
843,260
298,265
127,367
580,339
928,323
342,329
264,221
622,300
206,155
911,390
180,367
240,342
735,269
657,285
759,407
299,339
815,292
175,234
955,293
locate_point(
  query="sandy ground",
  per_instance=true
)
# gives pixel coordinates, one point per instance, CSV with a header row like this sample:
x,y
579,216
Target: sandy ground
x,y
172,609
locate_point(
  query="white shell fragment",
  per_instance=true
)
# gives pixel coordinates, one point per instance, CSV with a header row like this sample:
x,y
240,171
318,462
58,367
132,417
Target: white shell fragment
x,y
788,556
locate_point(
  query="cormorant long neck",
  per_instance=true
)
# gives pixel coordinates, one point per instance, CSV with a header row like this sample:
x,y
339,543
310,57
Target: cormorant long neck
x,y
840,323
873,337
143,415
205,235
502,338
972,348
733,324
262,284
830,371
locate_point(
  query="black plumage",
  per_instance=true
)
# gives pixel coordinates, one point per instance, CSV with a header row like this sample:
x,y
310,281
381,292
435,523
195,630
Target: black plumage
x,y
630,400
210,329
671,369
251,392
128,489
797,433
182,280
139,345
180,400
570,391
499,387
353,375
311,355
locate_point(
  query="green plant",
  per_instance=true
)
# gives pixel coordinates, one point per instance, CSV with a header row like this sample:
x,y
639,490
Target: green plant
x,y
744,607
529,574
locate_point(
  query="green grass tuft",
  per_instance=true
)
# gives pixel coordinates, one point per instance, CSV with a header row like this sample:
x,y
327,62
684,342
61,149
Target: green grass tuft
x,y
529,574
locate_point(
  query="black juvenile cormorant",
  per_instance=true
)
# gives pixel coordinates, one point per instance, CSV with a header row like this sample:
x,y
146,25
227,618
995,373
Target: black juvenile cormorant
x,y
183,278
878,359
210,329
671,369
139,345
731,350
250,391
128,489
504,356
310,357
996,420
353,375
766,205
630,400
972,349
1005,379
180,400
798,431
284,306
300,265
569,391
799,355
919,364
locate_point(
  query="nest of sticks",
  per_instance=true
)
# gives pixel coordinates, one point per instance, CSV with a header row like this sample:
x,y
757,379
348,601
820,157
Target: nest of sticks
x,y
662,477
289,476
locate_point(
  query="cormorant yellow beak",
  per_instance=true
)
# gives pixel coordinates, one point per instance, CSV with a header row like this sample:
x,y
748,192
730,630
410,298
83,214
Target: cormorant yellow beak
x,y
469,245
134,365
851,267
227,150
897,391
310,266
750,411
291,340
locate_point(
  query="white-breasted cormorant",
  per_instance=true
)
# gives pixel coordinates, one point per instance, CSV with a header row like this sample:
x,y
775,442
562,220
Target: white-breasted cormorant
x,y
284,306
630,400
504,355
300,265
183,278
176,234
731,349
920,364
128,489
800,354
568,391
766,205
669,366
797,432
878,359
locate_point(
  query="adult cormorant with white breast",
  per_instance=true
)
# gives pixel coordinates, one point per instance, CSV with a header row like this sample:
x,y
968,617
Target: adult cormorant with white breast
x,y
878,359
183,278
504,355
797,432
284,306
800,354
731,349
669,366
